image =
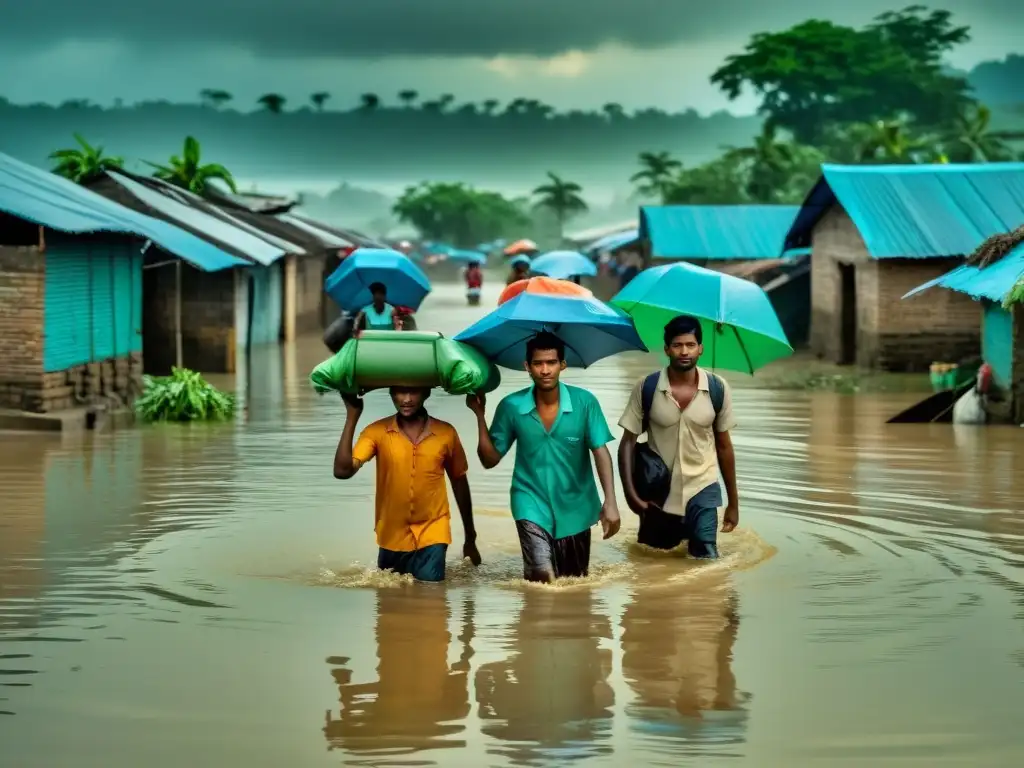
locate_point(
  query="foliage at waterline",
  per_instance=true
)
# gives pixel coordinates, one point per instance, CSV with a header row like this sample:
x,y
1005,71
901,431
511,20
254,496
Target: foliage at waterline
x,y
183,396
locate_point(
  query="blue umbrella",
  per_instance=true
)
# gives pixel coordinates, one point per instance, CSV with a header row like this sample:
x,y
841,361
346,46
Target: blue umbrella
x,y
349,285
521,259
590,329
562,265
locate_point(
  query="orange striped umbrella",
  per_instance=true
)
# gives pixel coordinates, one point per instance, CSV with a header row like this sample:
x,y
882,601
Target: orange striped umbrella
x,y
521,246
547,286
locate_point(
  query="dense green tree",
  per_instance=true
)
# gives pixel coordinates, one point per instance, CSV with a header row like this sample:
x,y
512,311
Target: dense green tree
x,y
369,102
562,198
272,102
768,164
969,138
84,162
459,214
188,172
319,99
819,73
214,98
408,97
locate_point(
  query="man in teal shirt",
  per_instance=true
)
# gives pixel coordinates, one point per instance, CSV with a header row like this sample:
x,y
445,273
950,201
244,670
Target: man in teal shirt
x,y
554,497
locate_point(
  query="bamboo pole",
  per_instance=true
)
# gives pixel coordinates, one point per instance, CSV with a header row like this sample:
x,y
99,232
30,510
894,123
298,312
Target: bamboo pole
x,y
179,362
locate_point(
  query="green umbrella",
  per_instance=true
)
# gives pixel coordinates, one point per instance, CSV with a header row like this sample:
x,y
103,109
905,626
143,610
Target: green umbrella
x,y
741,330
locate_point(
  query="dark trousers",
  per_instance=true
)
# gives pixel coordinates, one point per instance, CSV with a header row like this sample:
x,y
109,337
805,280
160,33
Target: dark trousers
x,y
546,558
425,564
698,527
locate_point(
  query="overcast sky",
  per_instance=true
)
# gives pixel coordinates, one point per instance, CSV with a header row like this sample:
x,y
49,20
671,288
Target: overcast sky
x,y
570,53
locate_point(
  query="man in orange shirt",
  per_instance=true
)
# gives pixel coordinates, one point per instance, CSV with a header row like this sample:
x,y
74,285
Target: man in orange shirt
x,y
414,452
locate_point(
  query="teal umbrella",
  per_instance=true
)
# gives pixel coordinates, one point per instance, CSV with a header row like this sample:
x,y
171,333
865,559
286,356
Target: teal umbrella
x,y
741,330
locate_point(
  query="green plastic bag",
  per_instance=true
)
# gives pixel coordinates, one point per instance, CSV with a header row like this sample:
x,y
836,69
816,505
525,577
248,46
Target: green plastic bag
x,y
381,359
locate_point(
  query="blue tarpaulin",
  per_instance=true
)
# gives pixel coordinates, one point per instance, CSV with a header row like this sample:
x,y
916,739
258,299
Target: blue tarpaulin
x,y
993,282
716,231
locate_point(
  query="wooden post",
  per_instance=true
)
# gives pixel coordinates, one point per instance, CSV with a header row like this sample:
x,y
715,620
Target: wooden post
x,y
178,355
290,296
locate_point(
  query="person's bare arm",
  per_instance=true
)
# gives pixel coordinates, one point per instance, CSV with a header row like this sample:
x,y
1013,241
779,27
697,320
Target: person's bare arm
x,y
610,519
344,465
727,463
359,324
489,454
458,468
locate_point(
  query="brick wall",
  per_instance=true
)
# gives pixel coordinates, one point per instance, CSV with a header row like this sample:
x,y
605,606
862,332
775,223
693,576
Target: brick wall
x,y
892,333
22,295
113,383
207,319
309,293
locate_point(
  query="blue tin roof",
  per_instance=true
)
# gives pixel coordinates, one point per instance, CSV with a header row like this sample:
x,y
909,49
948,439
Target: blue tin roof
x,y
35,195
917,211
716,231
613,241
993,282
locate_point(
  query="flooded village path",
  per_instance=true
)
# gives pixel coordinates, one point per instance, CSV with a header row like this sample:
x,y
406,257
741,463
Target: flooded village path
x,y
198,596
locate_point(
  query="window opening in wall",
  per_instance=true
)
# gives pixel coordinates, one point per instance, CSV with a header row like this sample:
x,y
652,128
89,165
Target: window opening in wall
x,y
848,314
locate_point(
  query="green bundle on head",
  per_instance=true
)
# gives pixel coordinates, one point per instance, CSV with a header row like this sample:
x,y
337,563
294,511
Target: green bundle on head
x,y
381,359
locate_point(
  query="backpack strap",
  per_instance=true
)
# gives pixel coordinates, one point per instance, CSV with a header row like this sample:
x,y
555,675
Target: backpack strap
x,y
647,392
716,388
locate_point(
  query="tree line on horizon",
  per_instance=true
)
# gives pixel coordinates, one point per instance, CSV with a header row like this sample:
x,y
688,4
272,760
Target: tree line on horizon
x,y
829,93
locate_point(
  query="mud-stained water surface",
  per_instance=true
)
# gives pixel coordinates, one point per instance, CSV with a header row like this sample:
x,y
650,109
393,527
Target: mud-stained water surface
x,y
202,596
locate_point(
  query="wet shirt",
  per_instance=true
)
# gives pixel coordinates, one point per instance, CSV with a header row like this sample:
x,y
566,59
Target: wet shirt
x,y
411,510
683,438
379,321
553,480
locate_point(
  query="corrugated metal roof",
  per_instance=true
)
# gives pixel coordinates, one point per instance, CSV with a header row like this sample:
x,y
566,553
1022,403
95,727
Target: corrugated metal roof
x,y
331,239
917,211
46,199
612,242
994,282
716,231
592,233
217,229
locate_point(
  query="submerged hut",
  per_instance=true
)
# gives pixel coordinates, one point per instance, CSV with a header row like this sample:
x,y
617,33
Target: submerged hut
x,y
993,275
876,232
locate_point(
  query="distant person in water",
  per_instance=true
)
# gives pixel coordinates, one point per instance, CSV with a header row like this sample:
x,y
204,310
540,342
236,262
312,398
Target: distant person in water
x,y
414,452
520,271
557,428
378,315
688,422
474,277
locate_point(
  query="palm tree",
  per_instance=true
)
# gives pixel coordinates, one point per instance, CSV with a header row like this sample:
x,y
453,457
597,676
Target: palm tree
x,y
769,161
84,163
888,141
188,173
657,169
446,100
562,198
272,102
370,102
214,97
971,141
319,99
491,106
408,97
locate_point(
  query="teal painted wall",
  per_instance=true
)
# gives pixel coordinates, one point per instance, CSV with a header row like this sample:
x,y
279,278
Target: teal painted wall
x,y
997,342
93,301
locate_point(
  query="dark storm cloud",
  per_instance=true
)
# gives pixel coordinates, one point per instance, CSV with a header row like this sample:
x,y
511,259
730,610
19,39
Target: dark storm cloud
x,y
368,28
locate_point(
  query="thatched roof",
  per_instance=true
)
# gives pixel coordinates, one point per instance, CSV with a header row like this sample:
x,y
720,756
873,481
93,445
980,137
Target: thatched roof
x,y
995,248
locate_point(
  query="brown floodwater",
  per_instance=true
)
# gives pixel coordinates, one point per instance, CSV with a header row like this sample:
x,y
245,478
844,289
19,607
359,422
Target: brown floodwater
x,y
202,596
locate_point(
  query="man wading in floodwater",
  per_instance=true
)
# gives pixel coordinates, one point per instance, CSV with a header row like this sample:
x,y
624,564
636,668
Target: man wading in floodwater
x,y
689,415
413,452
554,498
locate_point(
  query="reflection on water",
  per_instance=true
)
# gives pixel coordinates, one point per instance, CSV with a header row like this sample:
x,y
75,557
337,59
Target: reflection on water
x,y
677,650
550,700
418,701
169,595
